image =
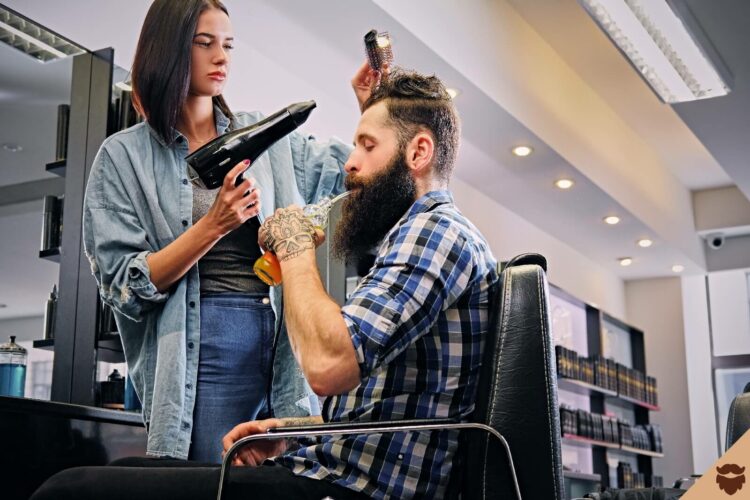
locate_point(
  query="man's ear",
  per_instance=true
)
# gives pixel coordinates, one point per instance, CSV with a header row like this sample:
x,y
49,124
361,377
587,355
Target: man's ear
x,y
420,151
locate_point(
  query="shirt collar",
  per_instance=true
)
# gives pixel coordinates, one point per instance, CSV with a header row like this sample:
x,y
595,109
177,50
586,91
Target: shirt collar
x,y
220,119
428,201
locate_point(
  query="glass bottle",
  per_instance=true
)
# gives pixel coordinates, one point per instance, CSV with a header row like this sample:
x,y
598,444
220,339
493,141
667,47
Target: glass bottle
x,y
267,267
12,369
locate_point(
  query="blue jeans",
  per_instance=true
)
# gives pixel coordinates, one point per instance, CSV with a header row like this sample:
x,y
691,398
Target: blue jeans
x,y
235,358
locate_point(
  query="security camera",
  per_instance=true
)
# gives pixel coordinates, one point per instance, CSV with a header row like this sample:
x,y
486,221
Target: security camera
x,y
715,240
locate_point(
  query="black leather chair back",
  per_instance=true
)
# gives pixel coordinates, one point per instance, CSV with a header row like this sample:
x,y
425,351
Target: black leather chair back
x,y
517,393
739,417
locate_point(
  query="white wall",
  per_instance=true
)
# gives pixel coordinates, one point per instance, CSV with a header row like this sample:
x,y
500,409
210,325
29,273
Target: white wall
x,y
510,234
655,306
26,328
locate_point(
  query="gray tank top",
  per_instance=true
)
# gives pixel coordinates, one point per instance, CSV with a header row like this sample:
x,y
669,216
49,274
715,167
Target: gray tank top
x,y
228,266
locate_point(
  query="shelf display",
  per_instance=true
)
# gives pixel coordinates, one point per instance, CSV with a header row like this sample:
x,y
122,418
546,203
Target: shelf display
x,y
605,376
605,395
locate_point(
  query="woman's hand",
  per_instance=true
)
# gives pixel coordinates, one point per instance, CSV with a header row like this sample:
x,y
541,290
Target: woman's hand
x,y
365,80
234,204
254,453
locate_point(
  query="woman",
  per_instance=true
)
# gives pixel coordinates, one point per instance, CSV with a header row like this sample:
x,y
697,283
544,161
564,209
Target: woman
x,y
201,333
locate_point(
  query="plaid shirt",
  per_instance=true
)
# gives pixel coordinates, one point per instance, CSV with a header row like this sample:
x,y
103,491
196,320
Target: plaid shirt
x,y
417,322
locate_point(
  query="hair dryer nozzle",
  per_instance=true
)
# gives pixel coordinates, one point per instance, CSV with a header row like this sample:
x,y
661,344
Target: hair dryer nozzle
x,y
300,111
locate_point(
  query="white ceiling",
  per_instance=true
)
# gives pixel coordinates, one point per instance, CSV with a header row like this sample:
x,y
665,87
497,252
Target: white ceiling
x,y
529,71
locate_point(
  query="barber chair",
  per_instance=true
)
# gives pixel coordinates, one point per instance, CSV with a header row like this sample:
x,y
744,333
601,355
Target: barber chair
x,y
738,421
515,427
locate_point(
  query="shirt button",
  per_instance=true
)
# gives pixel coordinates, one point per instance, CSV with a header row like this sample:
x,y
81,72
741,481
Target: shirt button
x,y
184,181
190,345
266,300
186,425
400,456
184,222
192,304
188,386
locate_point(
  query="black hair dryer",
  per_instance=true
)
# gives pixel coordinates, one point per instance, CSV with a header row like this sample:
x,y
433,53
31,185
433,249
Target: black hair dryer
x,y
208,165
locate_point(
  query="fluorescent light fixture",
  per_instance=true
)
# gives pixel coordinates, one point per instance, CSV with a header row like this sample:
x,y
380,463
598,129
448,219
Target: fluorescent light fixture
x,y
25,35
677,268
612,220
645,243
12,147
564,183
667,48
625,261
522,151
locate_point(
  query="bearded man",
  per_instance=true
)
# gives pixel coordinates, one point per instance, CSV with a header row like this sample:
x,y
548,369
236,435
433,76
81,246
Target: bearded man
x,y
407,343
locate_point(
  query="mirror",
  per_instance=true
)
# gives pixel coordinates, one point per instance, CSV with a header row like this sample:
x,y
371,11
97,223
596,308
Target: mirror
x,y
31,93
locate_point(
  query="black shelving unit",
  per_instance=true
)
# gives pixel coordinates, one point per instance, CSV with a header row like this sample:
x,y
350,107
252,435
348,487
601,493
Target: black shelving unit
x,y
52,254
56,167
600,397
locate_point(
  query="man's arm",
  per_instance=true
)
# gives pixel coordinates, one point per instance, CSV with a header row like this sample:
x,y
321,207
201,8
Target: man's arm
x,y
317,331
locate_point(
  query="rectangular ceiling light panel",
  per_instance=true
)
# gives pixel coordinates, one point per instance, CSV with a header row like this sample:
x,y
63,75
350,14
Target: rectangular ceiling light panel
x,y
662,47
30,38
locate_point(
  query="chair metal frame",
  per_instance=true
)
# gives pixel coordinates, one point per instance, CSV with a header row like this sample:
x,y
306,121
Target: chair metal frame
x,y
337,429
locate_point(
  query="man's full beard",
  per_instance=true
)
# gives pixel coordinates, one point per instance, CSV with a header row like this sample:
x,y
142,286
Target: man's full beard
x,y
373,208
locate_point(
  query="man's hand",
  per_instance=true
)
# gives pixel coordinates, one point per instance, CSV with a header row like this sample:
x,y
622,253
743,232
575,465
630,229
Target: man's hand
x,y
366,79
256,452
289,233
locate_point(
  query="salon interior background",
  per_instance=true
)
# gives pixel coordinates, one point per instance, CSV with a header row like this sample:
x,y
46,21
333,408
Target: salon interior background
x,y
528,72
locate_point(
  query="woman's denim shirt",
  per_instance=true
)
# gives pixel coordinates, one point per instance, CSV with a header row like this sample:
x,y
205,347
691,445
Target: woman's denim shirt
x,y
138,200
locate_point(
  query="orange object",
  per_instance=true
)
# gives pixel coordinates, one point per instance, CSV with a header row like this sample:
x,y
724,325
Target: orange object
x,y
268,269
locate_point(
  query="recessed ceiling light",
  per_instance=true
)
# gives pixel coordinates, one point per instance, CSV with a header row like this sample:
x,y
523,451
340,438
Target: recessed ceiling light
x,y
452,92
564,183
677,268
625,261
12,147
523,151
645,243
612,220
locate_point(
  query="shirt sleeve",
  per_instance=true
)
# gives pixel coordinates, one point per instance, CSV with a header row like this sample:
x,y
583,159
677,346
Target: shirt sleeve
x,y
116,244
423,269
318,166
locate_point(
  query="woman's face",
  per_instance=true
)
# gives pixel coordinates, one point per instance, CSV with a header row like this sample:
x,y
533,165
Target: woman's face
x,y
210,55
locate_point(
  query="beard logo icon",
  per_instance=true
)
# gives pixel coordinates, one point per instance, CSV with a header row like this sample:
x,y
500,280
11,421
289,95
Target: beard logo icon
x,y
730,478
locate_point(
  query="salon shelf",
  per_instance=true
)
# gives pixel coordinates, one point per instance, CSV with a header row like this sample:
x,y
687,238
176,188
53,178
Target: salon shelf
x,y
582,441
580,387
582,476
52,254
46,344
638,451
56,167
637,402
109,347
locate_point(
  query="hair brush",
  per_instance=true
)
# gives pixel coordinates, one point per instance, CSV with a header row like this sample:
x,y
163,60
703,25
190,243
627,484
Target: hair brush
x,y
378,49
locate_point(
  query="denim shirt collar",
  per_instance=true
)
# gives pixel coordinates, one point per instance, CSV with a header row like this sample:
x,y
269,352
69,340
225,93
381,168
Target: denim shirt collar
x,y
221,121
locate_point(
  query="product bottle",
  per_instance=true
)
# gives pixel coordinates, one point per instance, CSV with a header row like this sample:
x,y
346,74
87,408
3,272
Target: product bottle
x,y
12,369
50,311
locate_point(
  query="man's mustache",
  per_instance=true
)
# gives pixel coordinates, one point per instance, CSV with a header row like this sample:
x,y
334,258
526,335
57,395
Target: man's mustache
x,y
730,469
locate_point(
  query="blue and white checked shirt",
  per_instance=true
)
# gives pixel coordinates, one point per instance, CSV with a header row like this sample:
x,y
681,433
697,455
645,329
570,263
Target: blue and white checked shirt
x,y
417,322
